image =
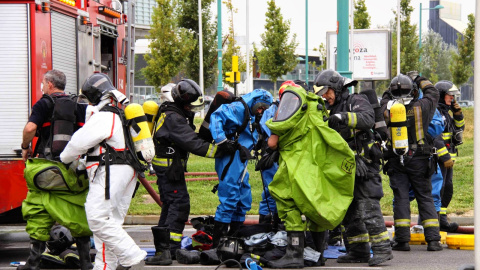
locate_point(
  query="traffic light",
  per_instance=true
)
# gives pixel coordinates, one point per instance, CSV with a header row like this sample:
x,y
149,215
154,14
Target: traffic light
x,y
237,76
230,76
235,63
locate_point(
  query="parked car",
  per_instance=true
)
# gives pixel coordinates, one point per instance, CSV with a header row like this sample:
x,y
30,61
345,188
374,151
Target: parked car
x,y
465,103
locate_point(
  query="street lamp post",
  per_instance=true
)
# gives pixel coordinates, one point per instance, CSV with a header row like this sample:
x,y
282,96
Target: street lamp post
x,y
420,27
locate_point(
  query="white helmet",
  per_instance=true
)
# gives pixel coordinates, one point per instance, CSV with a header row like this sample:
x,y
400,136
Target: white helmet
x,y
166,91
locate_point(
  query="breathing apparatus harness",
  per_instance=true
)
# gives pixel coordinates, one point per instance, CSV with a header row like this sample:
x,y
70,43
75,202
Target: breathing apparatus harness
x,y
114,157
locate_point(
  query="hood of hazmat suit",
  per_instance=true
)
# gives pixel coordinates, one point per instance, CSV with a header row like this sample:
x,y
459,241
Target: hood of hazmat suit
x,y
316,166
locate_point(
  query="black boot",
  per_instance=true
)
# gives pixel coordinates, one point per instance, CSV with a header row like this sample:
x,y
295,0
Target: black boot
x,y
356,253
219,230
187,256
335,236
382,252
83,248
445,226
234,226
401,246
319,241
294,256
434,246
161,240
36,249
277,224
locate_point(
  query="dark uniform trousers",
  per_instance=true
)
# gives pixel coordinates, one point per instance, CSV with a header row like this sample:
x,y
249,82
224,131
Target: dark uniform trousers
x,y
364,220
413,173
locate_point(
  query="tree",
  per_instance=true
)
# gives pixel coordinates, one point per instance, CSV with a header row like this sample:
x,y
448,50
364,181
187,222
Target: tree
x,y
169,44
277,57
322,51
460,66
436,55
409,51
361,18
232,48
188,19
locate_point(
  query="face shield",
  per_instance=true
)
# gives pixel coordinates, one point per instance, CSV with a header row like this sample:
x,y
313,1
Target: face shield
x,y
289,105
320,90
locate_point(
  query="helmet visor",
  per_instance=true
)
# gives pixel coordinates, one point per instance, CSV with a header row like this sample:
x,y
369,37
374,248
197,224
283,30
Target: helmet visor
x,y
289,105
453,91
320,90
197,105
401,92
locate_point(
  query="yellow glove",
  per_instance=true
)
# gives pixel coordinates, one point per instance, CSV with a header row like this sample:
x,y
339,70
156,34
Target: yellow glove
x,y
448,164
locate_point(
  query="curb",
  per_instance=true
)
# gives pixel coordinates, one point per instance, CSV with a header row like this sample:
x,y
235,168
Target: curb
x,y
153,219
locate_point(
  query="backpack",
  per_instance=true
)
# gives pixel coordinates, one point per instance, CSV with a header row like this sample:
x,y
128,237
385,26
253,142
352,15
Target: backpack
x,y
222,97
437,125
63,123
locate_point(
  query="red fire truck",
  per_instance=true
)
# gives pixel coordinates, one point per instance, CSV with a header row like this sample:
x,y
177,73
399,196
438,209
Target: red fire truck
x,y
77,37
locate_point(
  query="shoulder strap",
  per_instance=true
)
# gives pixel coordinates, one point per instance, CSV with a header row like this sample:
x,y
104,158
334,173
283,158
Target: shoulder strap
x,y
246,116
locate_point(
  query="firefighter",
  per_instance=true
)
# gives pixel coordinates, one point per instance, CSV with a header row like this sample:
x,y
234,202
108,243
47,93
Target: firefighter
x,y
111,185
315,174
447,146
412,165
41,208
234,189
174,139
267,207
353,117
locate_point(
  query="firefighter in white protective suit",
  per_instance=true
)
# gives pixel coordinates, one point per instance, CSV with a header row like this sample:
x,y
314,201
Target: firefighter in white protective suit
x,y
112,176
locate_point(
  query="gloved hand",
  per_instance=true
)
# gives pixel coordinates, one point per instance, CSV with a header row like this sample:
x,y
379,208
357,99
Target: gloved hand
x,y
336,120
361,170
268,159
228,146
448,164
412,74
456,109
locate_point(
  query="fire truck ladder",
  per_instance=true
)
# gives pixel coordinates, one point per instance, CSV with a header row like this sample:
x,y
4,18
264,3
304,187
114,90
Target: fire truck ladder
x,y
130,53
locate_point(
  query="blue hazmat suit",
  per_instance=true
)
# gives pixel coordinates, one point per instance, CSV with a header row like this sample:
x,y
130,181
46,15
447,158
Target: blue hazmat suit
x,y
234,192
267,174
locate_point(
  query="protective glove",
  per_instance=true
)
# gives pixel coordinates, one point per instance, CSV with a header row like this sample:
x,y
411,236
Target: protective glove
x,y
456,109
448,164
337,120
228,146
361,170
268,159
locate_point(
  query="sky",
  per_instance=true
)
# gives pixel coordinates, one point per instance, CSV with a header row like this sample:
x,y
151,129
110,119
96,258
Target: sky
x,y
322,17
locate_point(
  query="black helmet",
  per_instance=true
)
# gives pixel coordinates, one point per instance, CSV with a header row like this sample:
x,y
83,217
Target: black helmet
x,y
95,86
60,239
329,78
187,92
230,248
446,87
402,86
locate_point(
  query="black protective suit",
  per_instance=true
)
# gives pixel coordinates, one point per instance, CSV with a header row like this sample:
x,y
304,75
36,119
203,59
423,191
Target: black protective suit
x,y
418,165
364,220
174,139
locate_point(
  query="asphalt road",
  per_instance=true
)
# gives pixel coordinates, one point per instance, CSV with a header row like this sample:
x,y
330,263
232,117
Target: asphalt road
x,y
14,247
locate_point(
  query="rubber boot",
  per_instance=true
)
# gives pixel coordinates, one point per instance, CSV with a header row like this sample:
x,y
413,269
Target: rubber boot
x,y
356,253
174,246
293,258
234,226
319,241
219,230
445,226
83,248
161,240
335,236
382,252
434,246
187,256
36,249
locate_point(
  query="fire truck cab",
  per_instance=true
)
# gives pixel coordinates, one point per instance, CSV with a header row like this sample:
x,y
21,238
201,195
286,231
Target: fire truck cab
x,y
77,37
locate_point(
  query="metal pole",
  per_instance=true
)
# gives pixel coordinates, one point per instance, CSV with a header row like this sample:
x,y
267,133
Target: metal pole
x,y
249,74
219,44
342,40
200,49
306,42
476,136
420,33
350,45
398,37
